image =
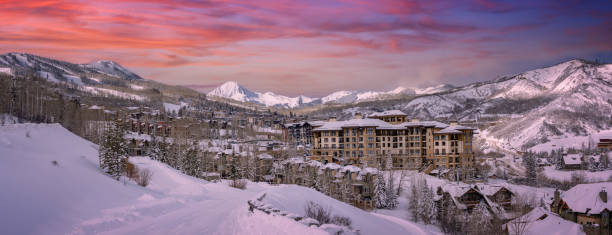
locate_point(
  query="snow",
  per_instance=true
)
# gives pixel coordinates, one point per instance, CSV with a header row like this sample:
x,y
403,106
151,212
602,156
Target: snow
x,y
394,112
585,198
572,159
113,69
232,90
136,87
111,92
49,76
75,197
6,70
174,107
541,221
74,79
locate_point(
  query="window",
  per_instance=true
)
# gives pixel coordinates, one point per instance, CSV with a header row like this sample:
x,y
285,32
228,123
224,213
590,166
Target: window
x,y
370,139
333,140
370,131
325,140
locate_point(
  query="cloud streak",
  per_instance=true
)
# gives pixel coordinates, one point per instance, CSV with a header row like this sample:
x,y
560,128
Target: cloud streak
x,y
336,40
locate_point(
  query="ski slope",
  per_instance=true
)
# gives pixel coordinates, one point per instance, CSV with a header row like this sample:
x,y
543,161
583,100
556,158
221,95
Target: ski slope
x,y
75,197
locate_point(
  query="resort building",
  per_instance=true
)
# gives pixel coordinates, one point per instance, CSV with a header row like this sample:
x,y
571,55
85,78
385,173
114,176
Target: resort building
x,y
410,144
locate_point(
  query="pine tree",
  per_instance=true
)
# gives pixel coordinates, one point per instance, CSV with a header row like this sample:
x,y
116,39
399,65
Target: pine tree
x,y
113,152
414,200
190,163
429,208
479,219
391,195
529,161
162,150
380,192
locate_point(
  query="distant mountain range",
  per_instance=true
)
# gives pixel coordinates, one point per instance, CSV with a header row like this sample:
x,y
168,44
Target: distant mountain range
x,y
61,70
232,90
573,98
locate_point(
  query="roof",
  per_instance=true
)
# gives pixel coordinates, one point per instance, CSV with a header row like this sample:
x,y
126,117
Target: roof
x,y
360,122
394,112
572,159
541,221
585,198
265,156
453,129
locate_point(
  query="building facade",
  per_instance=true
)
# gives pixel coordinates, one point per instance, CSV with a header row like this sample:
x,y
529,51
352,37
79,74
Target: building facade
x,y
410,144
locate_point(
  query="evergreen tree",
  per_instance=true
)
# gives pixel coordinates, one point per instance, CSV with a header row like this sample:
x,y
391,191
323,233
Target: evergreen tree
x,y
113,152
380,192
391,195
428,206
414,199
190,164
530,163
162,151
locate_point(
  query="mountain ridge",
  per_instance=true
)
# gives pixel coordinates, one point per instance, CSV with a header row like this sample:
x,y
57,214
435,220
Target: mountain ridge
x,y
234,91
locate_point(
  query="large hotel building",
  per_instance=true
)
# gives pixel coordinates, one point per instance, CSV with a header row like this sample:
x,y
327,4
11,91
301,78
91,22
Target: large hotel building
x,y
411,144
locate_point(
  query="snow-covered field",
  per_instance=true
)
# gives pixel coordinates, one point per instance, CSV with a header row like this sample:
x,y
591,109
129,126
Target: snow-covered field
x,y
51,184
111,92
566,142
563,175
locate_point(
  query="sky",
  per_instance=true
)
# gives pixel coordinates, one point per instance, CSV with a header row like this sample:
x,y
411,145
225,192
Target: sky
x,y
312,47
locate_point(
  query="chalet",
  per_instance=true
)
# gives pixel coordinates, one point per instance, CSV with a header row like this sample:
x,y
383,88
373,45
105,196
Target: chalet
x,y
571,162
541,221
542,162
586,204
466,197
604,145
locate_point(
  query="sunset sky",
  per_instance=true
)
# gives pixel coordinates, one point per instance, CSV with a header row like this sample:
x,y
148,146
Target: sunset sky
x,y
312,47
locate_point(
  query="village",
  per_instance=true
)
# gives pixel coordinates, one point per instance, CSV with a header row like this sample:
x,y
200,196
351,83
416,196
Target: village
x,y
347,159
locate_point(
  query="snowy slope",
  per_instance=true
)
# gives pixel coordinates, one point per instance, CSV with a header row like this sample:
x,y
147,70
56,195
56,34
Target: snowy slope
x,y
23,61
75,197
112,68
232,90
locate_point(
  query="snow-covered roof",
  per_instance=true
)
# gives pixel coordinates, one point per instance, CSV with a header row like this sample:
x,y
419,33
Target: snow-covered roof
x,y
572,159
490,190
453,129
359,122
350,168
435,124
332,166
265,156
585,198
394,112
541,221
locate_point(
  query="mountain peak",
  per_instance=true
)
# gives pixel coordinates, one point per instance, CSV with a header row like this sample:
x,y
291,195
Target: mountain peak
x,y
233,90
113,68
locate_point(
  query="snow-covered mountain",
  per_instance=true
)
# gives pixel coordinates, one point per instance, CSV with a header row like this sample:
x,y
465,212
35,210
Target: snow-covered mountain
x,y
61,70
232,90
112,68
568,99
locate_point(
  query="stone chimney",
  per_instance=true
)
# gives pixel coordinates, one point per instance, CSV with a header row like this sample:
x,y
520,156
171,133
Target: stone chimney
x,y
557,195
414,120
358,116
603,195
454,123
332,118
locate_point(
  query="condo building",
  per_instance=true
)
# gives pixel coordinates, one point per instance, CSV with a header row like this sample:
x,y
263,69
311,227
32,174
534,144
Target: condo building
x,y
410,144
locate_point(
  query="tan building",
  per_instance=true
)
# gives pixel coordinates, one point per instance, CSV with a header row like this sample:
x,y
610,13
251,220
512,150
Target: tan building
x,y
410,144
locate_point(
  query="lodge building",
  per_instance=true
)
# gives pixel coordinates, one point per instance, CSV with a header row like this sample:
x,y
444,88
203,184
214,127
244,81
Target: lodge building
x,y
410,144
